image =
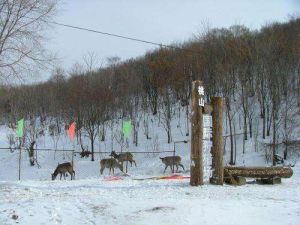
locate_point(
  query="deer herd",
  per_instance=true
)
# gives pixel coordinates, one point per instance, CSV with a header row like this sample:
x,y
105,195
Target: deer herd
x,y
116,161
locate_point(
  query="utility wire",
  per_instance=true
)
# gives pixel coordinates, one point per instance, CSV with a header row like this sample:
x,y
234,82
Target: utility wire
x,y
113,35
123,37
110,34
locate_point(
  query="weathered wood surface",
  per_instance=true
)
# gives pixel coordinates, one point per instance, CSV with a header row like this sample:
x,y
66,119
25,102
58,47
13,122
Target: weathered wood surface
x,y
258,172
217,141
197,136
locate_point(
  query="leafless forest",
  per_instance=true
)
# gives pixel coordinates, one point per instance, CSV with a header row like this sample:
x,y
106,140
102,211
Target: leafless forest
x,y
257,72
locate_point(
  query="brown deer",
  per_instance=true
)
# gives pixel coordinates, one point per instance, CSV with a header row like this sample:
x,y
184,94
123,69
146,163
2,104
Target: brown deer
x,y
122,157
111,164
62,169
172,161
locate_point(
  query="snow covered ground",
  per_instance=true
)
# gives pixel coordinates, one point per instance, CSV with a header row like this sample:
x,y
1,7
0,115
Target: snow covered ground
x,y
91,199
95,201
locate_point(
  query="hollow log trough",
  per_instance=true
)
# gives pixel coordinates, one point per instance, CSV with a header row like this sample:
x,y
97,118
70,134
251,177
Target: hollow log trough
x,y
233,175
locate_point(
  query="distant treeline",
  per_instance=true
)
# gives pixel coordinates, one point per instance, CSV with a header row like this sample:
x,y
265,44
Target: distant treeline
x,y
257,72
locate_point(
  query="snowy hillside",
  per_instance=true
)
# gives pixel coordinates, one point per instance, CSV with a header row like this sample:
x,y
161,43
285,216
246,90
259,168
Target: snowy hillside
x,y
147,163
93,199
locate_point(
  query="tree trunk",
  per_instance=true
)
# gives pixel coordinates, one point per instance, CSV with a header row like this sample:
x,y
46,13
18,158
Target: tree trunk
x,y
169,135
187,113
298,89
250,127
245,110
285,126
245,127
31,153
92,146
231,138
274,133
269,121
264,123
285,153
235,145
146,126
136,133
112,136
103,133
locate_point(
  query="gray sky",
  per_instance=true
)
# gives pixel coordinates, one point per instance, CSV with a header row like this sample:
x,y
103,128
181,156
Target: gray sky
x,y
163,21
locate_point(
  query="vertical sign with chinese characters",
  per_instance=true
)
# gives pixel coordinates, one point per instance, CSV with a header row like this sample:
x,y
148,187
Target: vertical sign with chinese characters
x,y
207,144
207,127
201,96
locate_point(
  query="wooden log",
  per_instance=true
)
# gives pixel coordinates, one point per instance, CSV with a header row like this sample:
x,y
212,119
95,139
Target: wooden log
x,y
217,142
258,172
197,136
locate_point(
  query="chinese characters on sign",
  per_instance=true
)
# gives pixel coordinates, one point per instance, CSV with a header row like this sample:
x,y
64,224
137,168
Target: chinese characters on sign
x,y
207,143
207,132
207,120
201,93
201,90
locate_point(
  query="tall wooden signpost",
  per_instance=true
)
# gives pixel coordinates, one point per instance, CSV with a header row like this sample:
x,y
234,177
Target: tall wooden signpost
x,y
217,139
265,174
197,134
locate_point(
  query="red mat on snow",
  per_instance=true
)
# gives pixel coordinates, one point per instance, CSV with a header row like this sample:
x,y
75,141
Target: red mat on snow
x,y
113,178
174,177
171,177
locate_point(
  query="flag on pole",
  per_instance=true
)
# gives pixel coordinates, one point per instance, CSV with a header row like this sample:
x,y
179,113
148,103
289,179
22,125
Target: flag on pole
x,y
20,129
126,128
71,131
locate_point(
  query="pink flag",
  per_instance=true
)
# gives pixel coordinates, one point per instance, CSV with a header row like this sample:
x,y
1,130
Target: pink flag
x,y
71,131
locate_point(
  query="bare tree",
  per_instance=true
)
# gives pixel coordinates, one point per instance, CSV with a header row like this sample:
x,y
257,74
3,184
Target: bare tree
x,y
288,121
22,24
167,112
91,62
31,136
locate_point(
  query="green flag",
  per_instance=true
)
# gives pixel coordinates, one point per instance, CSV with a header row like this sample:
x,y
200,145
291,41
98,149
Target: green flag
x,y
127,128
20,128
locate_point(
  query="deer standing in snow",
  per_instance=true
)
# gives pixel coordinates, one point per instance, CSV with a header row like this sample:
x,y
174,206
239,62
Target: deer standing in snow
x,y
122,157
172,161
111,164
62,169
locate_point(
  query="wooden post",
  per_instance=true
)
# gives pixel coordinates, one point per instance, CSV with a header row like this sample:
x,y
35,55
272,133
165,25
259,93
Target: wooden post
x,y
20,161
73,163
197,134
217,139
173,167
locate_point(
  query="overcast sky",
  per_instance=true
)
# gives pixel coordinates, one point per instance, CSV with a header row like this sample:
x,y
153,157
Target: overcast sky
x,y
162,21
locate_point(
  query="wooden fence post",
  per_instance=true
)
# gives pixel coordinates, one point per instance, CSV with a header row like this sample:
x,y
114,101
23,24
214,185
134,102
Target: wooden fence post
x,y
217,142
197,134
20,155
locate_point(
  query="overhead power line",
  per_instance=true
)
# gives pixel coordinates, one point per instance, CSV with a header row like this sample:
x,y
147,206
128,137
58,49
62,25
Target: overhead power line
x,y
110,34
115,35
123,37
